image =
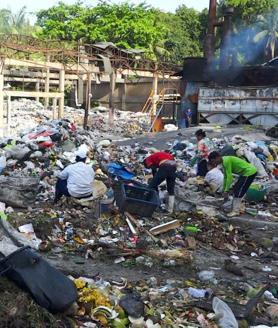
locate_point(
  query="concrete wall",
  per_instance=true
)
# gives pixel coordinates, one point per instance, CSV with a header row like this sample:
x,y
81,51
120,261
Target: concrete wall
x,y
137,92
258,106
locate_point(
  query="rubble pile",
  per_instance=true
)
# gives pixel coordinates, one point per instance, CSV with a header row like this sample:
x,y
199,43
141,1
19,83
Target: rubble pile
x,y
29,113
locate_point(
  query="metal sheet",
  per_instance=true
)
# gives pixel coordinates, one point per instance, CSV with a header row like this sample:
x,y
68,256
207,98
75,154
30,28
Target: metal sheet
x,y
223,105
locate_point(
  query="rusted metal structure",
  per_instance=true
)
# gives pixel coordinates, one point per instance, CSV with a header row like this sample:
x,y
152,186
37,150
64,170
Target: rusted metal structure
x,y
226,26
48,65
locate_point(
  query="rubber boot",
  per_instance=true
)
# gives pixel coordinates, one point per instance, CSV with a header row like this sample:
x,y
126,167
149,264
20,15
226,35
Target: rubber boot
x,y
171,203
235,207
242,205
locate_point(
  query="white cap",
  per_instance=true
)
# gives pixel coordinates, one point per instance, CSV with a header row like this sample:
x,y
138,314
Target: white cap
x,y
81,154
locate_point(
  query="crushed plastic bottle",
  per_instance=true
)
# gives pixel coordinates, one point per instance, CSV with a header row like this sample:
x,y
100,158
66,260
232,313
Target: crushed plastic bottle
x,y
223,314
200,293
206,275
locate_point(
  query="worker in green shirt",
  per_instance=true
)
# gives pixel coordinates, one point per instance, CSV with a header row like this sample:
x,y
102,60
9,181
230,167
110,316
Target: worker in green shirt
x,y
234,165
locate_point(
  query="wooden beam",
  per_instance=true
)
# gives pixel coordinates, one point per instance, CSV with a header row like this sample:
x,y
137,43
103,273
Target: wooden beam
x,y
20,79
33,94
17,74
31,63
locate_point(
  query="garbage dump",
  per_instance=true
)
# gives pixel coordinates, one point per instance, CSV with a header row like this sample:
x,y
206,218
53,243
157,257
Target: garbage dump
x,y
126,261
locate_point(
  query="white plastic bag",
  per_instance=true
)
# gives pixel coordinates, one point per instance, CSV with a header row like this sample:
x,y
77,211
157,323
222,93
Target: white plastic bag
x,y
223,314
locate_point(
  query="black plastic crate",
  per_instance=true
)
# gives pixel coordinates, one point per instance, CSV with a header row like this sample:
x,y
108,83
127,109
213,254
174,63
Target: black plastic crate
x,y
117,186
136,200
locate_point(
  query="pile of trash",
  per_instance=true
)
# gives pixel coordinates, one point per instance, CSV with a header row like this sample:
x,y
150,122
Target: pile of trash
x,y
262,154
27,113
176,304
32,159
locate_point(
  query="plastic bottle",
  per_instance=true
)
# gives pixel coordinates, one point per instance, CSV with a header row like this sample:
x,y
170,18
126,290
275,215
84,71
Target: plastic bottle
x,y
3,162
223,314
200,293
110,193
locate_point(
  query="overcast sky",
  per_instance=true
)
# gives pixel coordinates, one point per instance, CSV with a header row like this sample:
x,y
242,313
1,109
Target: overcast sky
x,y
36,5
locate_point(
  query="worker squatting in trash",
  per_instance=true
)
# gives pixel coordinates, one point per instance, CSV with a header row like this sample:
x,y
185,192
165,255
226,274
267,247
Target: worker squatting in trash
x,y
76,179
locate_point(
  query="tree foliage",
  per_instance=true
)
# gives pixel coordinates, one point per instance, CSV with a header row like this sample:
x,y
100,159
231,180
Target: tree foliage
x,y
185,36
127,25
247,11
268,34
165,36
16,23
253,29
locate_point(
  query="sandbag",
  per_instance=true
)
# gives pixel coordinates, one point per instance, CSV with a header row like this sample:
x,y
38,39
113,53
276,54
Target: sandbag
x,y
18,191
17,151
50,288
227,151
99,189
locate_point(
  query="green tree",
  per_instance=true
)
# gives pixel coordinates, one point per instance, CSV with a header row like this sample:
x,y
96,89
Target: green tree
x,y
268,34
16,23
247,11
65,22
185,33
246,28
127,25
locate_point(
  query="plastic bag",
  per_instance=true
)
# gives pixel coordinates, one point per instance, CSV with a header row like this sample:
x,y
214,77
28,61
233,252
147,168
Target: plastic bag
x,y
99,189
223,314
18,191
49,287
193,161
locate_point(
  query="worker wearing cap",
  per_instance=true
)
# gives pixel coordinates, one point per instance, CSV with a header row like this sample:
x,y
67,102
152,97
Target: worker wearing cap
x,y
163,166
76,179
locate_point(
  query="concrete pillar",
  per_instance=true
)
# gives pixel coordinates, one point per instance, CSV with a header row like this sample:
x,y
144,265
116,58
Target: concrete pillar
x,y
62,90
54,109
1,101
38,89
155,83
80,90
88,101
9,115
47,80
124,95
112,97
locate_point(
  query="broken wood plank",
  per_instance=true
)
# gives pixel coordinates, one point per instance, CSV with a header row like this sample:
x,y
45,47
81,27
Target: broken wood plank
x,y
131,227
132,218
165,227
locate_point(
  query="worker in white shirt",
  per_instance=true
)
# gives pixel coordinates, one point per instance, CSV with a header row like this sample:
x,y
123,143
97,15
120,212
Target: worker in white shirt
x,y
214,178
76,179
